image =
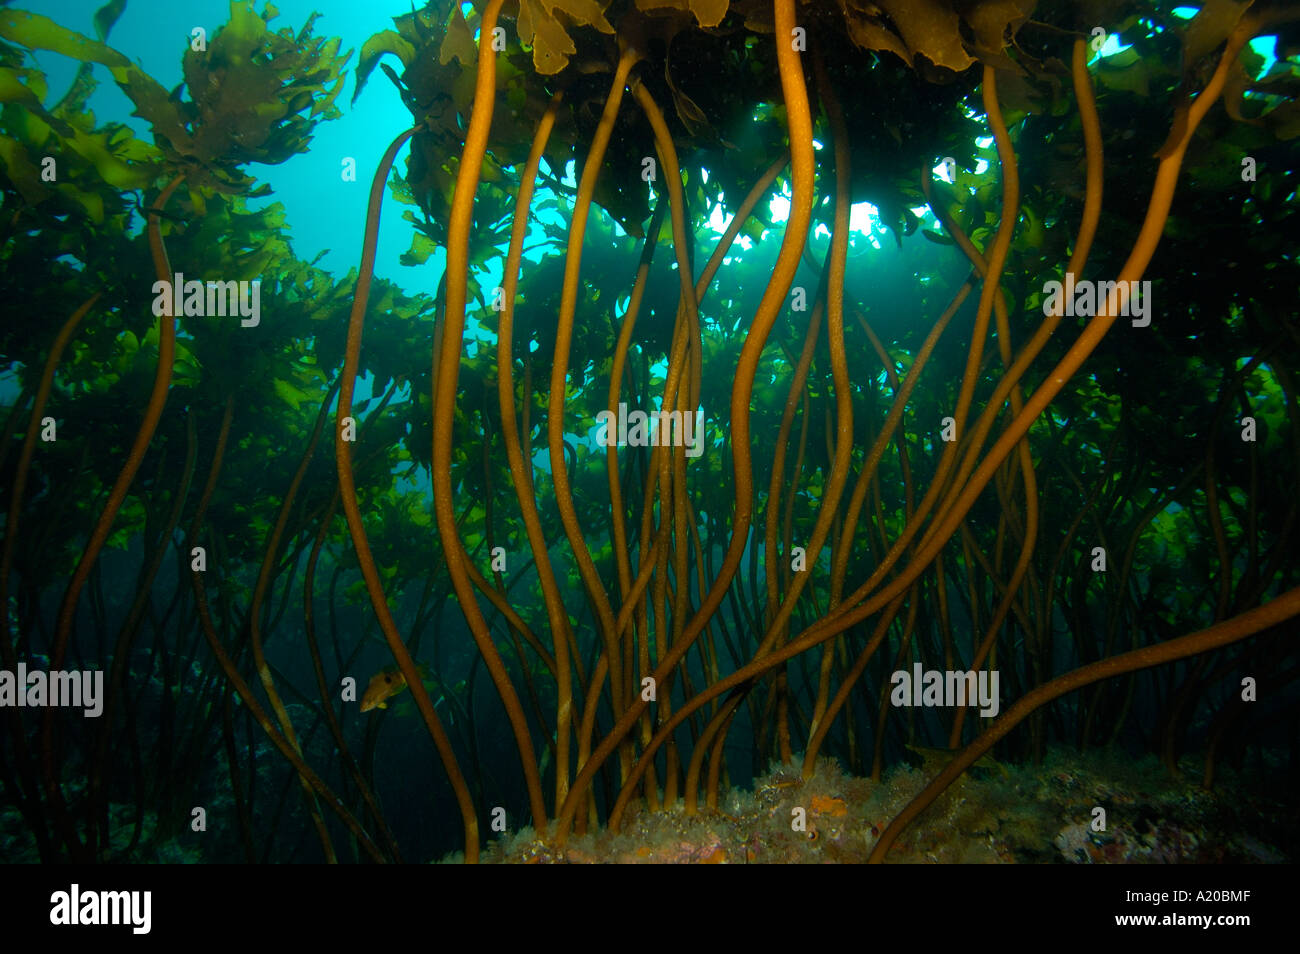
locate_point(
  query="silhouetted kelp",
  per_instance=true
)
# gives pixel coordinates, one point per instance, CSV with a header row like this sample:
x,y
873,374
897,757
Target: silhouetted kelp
x,y
1099,515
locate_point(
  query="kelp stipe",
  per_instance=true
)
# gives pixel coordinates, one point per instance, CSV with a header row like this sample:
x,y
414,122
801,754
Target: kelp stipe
x,y
897,493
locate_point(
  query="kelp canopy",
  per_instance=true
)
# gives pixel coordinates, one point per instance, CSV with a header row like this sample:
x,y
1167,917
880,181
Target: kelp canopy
x,y
972,469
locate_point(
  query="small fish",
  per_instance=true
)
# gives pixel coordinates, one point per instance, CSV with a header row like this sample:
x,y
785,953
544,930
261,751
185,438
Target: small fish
x,y
383,686
935,759
828,805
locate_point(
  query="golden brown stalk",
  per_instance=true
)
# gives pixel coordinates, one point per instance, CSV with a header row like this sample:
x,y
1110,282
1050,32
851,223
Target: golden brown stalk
x,y
521,467
1222,634
446,372
348,491
1139,258
116,497
799,120
560,368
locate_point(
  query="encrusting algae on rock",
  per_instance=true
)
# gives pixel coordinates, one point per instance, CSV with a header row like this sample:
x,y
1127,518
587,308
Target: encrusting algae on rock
x,y
1013,814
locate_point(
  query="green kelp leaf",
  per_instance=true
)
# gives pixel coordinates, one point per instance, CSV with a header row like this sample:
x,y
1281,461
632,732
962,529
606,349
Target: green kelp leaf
x,y
949,33
154,105
421,248
324,105
990,22
396,80
1209,28
400,189
938,238
458,43
73,103
491,170
688,111
463,89
870,32
106,16
41,33
1033,231
708,13
92,203
540,28
22,86
130,522
389,41
109,152
1245,66
356,592
909,27
102,150
1126,71
186,369
1284,122
291,395
551,44
22,172
1021,95
248,92
130,344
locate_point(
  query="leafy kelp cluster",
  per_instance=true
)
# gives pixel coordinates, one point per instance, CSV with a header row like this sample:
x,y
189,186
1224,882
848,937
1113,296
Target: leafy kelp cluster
x,y
691,485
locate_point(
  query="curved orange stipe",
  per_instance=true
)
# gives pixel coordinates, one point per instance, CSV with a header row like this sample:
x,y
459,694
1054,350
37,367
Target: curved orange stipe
x,y
348,490
799,119
1229,631
521,468
837,622
116,497
446,372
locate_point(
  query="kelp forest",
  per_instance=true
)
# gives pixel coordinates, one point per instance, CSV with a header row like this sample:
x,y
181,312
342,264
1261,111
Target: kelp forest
x,y
817,409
